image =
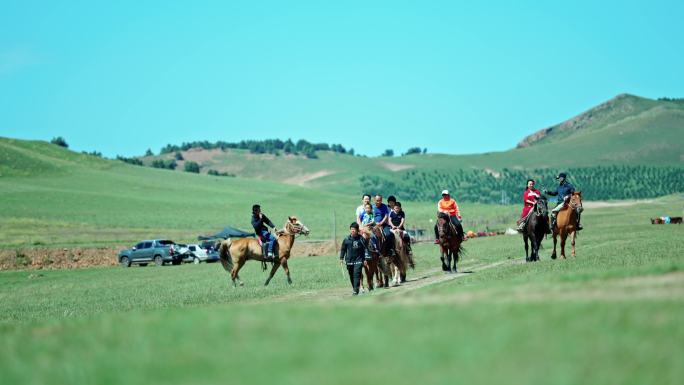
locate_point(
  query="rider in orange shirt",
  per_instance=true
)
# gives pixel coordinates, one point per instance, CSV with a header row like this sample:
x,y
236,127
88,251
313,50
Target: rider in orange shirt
x,y
448,209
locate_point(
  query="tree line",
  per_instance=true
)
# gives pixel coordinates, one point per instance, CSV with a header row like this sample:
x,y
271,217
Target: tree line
x,y
268,146
507,186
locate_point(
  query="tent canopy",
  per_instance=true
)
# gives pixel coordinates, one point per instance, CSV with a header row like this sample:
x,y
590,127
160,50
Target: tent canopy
x,y
227,232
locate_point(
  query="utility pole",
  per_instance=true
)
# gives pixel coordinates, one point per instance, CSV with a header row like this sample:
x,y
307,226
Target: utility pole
x,y
335,230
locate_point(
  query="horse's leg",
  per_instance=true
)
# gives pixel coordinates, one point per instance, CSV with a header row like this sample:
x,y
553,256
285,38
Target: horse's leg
x,y
527,257
553,255
572,242
564,236
283,262
234,273
272,273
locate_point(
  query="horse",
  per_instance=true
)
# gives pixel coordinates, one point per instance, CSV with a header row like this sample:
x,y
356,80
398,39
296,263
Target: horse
x,y
402,260
371,270
535,229
234,254
566,223
449,245
380,264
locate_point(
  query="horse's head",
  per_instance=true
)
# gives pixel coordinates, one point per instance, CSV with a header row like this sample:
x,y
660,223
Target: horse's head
x,y
576,200
294,226
541,206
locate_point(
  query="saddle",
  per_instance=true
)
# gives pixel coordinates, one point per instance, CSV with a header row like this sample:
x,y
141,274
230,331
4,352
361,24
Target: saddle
x,y
264,248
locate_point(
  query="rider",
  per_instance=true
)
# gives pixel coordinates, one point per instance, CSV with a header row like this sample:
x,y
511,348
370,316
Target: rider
x,y
381,213
564,189
530,197
259,222
449,209
366,220
391,201
397,220
365,199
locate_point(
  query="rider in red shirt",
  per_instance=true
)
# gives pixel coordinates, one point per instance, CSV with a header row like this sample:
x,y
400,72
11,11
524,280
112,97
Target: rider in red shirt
x,y
530,197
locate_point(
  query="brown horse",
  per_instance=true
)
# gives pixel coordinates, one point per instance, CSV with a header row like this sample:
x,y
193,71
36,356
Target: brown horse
x,y
234,253
449,244
371,269
403,261
380,264
566,223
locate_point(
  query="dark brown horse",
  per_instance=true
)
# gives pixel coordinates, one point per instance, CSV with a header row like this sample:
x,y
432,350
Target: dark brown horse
x,y
235,253
566,223
449,245
535,229
381,261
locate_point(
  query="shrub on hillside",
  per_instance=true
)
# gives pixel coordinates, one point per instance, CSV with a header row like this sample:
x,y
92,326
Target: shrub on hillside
x,y
133,161
191,166
60,142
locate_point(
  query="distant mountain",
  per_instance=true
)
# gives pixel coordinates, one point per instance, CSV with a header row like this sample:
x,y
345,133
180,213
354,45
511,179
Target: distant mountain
x,y
622,112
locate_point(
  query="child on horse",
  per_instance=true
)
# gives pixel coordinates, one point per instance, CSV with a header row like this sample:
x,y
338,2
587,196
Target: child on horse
x,y
397,220
259,222
564,190
448,209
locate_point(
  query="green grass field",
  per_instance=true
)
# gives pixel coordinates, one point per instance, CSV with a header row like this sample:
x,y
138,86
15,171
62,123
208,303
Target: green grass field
x,y
612,315
54,197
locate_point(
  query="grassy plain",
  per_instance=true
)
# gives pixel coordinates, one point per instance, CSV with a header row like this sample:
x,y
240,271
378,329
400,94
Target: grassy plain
x,y
612,315
54,197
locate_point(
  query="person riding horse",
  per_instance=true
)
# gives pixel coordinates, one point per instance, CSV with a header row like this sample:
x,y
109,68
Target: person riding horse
x,y
381,218
563,191
530,197
448,209
259,222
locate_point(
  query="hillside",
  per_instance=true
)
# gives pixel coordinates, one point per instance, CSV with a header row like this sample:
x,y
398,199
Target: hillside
x,y
625,131
51,196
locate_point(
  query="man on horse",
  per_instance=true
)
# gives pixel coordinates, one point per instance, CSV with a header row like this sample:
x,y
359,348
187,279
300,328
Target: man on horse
x,y
563,191
259,222
381,218
355,255
448,209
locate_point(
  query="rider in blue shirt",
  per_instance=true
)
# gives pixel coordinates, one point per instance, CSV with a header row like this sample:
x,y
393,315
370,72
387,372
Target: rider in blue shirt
x,y
381,214
563,190
259,222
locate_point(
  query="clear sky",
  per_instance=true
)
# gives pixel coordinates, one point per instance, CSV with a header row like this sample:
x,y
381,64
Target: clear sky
x,y
453,76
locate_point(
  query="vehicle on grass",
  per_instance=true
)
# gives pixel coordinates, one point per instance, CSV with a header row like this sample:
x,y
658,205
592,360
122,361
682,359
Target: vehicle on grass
x,y
197,254
158,251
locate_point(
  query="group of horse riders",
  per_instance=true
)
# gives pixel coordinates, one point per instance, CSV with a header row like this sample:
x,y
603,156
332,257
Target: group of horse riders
x,y
357,247
531,195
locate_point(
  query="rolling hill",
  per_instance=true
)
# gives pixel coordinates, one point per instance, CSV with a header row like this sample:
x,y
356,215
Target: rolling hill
x,y
624,131
51,196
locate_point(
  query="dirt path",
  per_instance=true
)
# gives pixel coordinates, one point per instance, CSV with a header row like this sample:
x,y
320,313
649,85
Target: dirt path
x,y
425,279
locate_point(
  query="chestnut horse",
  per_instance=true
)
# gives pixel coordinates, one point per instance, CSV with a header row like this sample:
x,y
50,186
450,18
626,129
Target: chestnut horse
x,y
234,253
449,244
566,223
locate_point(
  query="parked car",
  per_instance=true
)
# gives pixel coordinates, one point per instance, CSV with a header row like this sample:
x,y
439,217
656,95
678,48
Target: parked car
x,y
159,251
197,254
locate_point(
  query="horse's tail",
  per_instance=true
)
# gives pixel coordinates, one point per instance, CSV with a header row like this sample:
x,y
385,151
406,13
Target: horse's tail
x,y
224,255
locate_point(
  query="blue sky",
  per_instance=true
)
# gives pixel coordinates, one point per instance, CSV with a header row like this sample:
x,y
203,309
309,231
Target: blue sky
x,y
451,76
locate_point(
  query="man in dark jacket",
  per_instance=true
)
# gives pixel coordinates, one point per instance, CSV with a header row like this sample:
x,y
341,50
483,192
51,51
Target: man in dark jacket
x,y
259,222
355,255
563,190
